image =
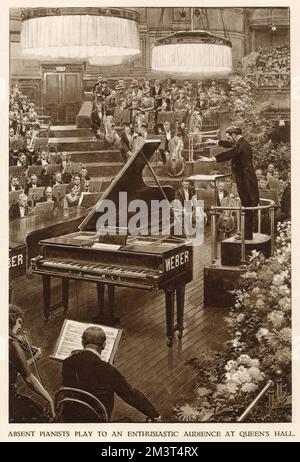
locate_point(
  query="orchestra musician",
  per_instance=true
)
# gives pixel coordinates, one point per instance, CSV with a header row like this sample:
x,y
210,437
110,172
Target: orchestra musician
x,y
20,209
97,120
85,370
23,409
166,136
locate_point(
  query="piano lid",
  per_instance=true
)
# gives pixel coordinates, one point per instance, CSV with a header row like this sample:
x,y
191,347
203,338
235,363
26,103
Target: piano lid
x,y
129,180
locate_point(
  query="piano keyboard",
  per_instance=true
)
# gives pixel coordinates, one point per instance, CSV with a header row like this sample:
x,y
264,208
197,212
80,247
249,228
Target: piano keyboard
x,y
108,272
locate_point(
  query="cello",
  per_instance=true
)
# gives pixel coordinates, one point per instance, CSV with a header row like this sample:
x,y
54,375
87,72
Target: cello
x,y
175,164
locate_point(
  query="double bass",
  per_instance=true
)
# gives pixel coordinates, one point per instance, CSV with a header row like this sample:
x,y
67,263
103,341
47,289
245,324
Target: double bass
x,y
228,223
175,164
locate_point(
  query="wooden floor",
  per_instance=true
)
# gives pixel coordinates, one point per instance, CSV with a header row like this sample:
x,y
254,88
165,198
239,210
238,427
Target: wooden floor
x,y
143,356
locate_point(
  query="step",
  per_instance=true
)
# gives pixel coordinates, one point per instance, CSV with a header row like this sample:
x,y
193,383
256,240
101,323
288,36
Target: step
x,y
87,157
63,131
82,143
104,169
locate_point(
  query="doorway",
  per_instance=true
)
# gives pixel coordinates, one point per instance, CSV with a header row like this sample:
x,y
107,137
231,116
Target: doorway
x,y
62,93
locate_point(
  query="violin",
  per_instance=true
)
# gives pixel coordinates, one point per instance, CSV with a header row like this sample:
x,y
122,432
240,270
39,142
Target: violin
x,y
32,353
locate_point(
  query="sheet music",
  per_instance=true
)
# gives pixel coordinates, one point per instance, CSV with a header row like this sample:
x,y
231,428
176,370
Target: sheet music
x,y
70,339
103,246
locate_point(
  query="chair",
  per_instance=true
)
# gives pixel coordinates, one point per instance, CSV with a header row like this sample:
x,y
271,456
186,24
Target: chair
x,y
78,406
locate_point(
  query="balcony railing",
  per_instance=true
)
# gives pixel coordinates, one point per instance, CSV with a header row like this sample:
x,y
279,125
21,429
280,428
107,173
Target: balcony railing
x,y
270,79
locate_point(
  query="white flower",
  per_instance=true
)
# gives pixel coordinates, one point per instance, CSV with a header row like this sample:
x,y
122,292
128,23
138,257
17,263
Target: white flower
x,y
231,365
232,387
255,362
187,413
262,332
284,291
260,303
276,318
278,280
255,374
245,359
240,317
249,387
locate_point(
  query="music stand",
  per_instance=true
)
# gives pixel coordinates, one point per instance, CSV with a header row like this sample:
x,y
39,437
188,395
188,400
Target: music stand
x,y
88,200
95,186
35,169
43,207
59,191
14,196
35,194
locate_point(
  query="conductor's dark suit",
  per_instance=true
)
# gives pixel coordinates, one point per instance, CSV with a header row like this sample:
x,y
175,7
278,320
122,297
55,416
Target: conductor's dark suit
x,y
86,371
244,174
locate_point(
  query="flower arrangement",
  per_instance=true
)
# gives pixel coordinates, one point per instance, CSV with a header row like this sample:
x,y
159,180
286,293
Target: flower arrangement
x,y
259,324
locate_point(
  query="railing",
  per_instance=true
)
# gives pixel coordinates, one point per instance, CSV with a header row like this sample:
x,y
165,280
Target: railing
x,y
270,79
274,391
241,211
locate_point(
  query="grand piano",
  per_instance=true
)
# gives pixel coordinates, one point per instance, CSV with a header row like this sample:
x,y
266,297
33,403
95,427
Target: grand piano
x,y
144,261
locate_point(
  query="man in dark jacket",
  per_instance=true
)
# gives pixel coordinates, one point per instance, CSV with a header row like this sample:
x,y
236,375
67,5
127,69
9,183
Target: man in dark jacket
x,y
240,154
185,192
97,120
85,370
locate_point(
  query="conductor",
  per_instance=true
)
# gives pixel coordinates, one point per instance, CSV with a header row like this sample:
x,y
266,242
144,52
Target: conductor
x,y
240,154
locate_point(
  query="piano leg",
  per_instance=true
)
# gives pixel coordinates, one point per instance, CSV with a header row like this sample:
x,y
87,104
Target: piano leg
x,y
108,318
169,294
180,293
100,292
111,304
65,294
47,295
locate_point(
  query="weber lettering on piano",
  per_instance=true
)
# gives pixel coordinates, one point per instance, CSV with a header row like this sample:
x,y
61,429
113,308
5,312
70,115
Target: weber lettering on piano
x,y
179,259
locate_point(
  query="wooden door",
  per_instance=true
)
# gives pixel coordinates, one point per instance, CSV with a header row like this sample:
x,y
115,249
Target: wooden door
x,y
71,95
62,96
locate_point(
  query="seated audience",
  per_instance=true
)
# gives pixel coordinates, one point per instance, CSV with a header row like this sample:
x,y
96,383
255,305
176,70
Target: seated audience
x,y
72,198
48,197
20,209
14,183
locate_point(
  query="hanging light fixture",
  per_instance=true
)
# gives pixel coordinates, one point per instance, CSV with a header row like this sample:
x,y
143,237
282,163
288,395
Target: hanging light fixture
x,y
194,52
80,33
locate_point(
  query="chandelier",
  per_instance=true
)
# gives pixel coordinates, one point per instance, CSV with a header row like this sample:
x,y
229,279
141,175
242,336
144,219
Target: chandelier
x,y
193,52
99,34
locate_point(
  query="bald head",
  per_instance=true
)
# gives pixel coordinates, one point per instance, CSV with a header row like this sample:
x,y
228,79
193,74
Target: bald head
x,y
94,336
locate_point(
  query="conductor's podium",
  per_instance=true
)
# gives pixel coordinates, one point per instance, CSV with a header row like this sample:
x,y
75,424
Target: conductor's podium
x,y
222,276
231,249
